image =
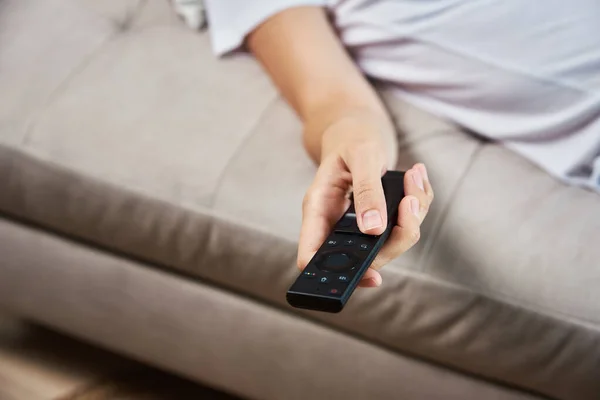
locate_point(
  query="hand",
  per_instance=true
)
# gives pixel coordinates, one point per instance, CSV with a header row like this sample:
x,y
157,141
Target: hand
x,y
354,157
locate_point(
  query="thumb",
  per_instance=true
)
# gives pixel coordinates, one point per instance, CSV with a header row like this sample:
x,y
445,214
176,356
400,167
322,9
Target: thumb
x,y
369,200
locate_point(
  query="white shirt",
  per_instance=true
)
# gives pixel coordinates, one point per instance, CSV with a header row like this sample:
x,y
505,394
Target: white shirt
x,y
525,73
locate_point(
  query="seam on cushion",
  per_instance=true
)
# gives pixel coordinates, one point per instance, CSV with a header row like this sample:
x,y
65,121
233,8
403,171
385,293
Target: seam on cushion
x,y
78,69
118,23
134,13
248,296
516,302
242,145
405,143
439,222
62,88
137,12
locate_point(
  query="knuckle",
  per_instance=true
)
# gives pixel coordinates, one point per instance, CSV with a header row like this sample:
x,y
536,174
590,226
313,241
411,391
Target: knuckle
x,y
364,193
425,206
306,200
309,198
300,263
414,236
380,261
358,146
359,149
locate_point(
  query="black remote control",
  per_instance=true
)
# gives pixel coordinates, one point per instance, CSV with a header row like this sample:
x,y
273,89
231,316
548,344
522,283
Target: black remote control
x,y
333,273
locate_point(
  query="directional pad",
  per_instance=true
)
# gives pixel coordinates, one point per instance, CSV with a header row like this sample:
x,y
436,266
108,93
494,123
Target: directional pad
x,y
336,262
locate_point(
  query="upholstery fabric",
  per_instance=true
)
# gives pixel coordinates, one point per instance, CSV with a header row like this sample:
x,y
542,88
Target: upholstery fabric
x,y
38,52
138,142
210,334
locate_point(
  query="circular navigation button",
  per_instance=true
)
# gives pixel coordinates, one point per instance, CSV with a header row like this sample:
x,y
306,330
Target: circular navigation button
x,y
336,262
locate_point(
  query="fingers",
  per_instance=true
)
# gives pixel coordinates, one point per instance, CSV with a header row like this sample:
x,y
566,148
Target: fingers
x,y
315,227
371,278
411,212
416,183
404,235
323,204
326,201
366,168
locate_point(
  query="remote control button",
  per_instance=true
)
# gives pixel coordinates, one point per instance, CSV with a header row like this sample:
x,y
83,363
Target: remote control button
x,y
332,243
349,242
336,262
348,222
343,278
364,247
334,291
324,280
309,275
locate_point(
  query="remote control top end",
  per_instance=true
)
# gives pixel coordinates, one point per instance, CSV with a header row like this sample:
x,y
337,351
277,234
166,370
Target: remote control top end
x,y
334,272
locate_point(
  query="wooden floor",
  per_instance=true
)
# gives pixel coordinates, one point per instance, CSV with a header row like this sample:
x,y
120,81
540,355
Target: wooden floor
x,y
38,364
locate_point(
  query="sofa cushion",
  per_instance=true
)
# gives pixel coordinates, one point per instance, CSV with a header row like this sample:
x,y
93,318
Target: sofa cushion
x,y
192,328
151,148
41,44
523,237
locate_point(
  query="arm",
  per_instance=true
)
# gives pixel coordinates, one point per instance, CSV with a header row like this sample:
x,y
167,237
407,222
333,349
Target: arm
x,y
347,131
307,62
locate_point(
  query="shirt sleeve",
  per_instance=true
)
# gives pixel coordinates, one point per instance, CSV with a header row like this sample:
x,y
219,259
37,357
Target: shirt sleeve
x,y
229,21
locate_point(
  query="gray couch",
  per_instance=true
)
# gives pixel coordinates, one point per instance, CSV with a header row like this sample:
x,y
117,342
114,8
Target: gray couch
x,y
150,204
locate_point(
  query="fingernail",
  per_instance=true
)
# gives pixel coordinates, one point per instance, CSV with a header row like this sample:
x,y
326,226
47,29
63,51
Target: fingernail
x,y
374,282
423,172
418,178
414,205
372,219
371,282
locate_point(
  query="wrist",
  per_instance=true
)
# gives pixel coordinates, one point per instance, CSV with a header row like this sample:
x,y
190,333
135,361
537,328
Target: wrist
x,y
327,128
360,128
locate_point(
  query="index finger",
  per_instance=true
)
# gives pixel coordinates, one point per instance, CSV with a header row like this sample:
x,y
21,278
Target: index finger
x,y
324,203
367,168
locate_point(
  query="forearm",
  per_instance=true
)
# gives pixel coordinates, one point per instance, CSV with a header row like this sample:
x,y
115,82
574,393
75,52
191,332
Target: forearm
x,y
306,61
